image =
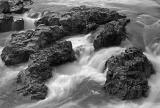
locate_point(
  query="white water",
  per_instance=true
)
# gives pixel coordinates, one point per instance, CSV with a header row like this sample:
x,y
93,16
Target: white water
x,y
79,84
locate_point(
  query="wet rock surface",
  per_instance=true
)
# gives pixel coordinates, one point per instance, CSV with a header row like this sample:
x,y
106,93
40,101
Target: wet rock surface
x,y
43,47
32,80
127,75
80,19
110,34
25,43
18,48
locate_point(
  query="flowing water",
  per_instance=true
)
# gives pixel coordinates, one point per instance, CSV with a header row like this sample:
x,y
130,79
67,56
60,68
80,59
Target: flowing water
x,y
79,84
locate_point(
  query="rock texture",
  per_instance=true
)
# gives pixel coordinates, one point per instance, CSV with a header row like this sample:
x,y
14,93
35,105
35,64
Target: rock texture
x,y
14,6
33,79
18,48
80,19
127,75
23,44
110,34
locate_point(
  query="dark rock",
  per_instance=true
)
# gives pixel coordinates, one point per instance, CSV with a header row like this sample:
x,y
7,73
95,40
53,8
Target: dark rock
x,y
110,34
47,35
25,43
51,19
6,23
4,7
18,24
32,80
57,54
80,19
127,75
18,49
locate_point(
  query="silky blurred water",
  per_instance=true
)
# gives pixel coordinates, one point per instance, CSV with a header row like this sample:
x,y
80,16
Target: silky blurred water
x,y
79,84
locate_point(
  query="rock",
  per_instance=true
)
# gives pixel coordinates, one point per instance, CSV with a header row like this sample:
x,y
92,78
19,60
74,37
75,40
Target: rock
x,y
4,7
18,24
32,80
127,75
6,23
18,49
80,19
51,19
25,43
59,53
110,34
47,35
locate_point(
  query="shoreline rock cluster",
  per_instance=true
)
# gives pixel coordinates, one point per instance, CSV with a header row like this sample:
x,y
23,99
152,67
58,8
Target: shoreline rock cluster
x,y
45,48
9,23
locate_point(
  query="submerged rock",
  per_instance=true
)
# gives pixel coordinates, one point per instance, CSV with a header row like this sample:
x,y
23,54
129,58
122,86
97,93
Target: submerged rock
x,y
127,75
32,80
110,34
80,19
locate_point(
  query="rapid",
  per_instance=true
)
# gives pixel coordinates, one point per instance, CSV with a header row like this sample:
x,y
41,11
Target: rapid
x,y
79,84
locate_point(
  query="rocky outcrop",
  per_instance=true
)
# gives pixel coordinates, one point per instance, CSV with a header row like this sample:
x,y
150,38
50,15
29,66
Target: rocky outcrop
x,y
18,49
110,34
80,19
32,80
127,75
5,22
23,44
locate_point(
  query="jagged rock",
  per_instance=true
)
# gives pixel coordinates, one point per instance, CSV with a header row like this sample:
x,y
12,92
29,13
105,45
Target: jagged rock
x,y
4,7
110,34
23,44
127,75
47,35
51,19
18,24
18,49
6,23
80,19
39,70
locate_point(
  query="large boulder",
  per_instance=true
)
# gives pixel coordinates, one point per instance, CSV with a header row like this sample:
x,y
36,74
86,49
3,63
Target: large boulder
x,y
6,23
18,48
32,80
80,19
23,44
110,34
127,75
